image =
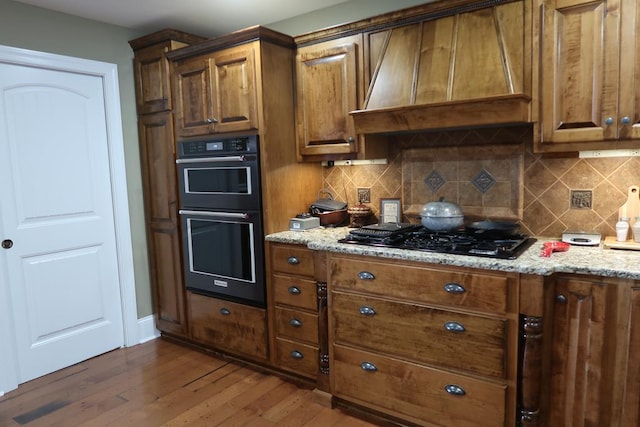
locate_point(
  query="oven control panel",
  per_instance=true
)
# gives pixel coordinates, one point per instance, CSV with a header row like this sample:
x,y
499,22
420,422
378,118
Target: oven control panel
x,y
218,147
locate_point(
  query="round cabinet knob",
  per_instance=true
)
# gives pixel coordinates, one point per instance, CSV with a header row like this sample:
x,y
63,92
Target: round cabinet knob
x,y
625,120
561,299
609,121
296,323
225,311
293,260
351,139
7,244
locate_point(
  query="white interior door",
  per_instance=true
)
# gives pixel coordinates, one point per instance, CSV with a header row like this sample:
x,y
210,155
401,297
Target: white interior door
x,y
57,218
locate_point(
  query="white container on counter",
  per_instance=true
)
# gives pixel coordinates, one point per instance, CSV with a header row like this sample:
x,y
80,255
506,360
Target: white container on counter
x,y
622,229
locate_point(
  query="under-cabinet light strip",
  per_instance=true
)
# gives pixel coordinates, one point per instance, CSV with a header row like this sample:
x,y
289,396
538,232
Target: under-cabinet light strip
x,y
354,162
632,152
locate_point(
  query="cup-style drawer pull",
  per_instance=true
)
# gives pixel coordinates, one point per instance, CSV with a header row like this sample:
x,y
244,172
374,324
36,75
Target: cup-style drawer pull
x,y
454,288
225,311
293,260
367,311
296,323
294,290
365,275
454,327
455,390
295,354
368,367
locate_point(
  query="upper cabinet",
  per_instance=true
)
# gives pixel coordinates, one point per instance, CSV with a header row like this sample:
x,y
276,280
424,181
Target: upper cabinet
x,y
216,92
328,87
444,64
589,79
151,68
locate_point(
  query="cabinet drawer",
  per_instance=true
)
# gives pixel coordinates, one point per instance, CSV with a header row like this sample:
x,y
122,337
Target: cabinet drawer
x,y
416,393
297,357
454,288
295,291
225,325
292,259
296,324
421,333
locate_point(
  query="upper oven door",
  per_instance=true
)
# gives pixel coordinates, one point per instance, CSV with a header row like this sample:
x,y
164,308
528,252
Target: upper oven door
x,y
220,182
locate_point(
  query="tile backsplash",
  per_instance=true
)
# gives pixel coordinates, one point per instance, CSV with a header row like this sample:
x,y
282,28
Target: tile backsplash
x,y
493,173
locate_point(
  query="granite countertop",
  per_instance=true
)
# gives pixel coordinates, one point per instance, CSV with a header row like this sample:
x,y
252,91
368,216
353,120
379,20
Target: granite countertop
x,y
592,260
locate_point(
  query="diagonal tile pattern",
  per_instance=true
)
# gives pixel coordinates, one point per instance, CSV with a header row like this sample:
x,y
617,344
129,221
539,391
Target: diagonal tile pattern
x,y
535,189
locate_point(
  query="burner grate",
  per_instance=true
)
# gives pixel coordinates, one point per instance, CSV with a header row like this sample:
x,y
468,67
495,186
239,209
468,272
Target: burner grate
x,y
416,237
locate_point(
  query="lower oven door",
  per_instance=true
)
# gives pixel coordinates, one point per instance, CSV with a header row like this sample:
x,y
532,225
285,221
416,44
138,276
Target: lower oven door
x,y
224,254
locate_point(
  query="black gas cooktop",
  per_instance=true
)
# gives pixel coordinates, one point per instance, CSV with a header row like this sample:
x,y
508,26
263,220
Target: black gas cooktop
x,y
459,242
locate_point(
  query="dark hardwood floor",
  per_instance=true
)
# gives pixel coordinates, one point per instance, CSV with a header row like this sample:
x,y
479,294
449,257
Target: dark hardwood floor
x,y
160,383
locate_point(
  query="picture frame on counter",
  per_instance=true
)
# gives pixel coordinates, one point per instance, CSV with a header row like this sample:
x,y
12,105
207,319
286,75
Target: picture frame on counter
x,y
390,211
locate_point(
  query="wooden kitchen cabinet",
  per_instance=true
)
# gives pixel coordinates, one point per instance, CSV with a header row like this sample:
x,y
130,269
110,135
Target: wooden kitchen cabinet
x,y
163,226
216,92
330,83
226,326
295,309
417,344
594,373
160,192
328,86
589,75
151,68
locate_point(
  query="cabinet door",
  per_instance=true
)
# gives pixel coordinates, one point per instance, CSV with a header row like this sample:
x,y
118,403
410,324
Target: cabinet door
x,y
161,211
629,105
151,71
580,68
631,401
585,326
326,91
234,97
228,326
193,89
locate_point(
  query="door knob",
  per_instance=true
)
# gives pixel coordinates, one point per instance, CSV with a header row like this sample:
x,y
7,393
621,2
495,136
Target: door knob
x,y
7,244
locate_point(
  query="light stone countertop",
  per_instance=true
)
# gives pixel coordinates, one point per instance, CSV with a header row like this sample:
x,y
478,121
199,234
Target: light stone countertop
x,y
592,260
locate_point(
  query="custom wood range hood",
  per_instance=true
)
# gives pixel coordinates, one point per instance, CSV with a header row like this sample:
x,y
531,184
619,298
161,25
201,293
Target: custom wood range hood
x,y
463,67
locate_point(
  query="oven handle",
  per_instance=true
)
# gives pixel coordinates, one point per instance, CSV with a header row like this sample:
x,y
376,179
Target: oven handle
x,y
212,159
215,214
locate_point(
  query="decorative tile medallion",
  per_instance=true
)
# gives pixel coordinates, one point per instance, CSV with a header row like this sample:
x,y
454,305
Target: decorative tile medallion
x,y
483,181
434,181
581,199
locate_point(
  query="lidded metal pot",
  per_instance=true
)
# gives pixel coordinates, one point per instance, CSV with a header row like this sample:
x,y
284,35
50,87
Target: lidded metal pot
x,y
441,216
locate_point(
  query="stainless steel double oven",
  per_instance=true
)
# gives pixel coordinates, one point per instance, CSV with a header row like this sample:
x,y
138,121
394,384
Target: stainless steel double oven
x,y
221,215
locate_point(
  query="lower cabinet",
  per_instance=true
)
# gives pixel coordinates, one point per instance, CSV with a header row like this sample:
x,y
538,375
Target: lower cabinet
x,y
416,392
228,327
295,309
424,343
595,352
